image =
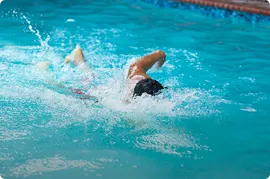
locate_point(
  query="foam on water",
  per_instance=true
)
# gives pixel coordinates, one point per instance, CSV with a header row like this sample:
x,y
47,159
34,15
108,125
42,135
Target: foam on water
x,y
39,166
3,66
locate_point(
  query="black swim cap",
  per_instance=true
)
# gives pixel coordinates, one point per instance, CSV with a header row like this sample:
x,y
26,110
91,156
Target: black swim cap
x,y
148,86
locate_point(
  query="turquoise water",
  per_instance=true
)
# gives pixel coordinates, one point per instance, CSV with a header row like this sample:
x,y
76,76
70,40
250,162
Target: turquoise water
x,y
213,122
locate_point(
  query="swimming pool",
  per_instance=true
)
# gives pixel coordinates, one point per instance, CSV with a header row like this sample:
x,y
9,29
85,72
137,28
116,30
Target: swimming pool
x,y
213,122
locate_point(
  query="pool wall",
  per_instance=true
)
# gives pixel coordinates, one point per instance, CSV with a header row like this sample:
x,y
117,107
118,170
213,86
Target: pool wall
x,y
219,9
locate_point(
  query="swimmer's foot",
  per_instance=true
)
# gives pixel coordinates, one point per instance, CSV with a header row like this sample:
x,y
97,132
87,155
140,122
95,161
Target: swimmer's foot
x,y
76,55
43,66
68,59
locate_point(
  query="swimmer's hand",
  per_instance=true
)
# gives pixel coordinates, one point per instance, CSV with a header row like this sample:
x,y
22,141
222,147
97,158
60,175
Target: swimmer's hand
x,y
162,58
160,62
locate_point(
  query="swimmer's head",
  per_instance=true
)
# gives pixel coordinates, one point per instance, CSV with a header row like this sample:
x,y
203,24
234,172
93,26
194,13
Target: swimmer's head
x,y
149,86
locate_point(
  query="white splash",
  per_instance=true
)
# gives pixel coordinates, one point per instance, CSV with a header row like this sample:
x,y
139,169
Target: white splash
x,y
0,3
43,43
0,176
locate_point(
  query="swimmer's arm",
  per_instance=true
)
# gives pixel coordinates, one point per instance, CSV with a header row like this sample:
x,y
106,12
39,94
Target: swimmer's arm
x,y
149,60
142,65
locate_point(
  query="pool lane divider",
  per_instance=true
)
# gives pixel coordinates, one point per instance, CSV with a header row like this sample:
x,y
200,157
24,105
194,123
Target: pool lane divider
x,y
217,9
229,6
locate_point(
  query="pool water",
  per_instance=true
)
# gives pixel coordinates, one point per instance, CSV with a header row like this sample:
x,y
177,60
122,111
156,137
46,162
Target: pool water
x,y
212,122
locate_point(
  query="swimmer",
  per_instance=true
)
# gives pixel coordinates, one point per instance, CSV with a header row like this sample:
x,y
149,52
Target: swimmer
x,y
139,81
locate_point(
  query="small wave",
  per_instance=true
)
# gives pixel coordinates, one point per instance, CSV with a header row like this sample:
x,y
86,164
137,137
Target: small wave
x,y
248,109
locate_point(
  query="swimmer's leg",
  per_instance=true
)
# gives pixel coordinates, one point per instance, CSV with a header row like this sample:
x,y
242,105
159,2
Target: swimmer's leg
x,y
76,55
77,58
